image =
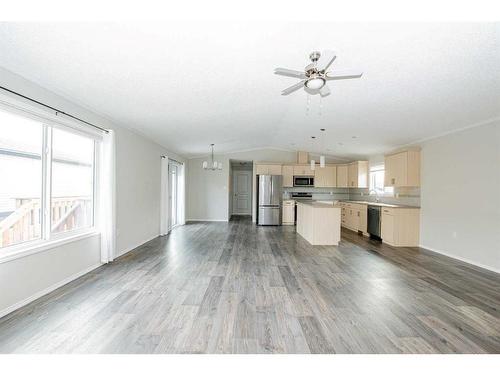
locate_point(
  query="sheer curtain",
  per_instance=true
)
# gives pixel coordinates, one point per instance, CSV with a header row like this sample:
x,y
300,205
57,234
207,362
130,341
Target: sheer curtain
x,y
182,194
164,206
107,211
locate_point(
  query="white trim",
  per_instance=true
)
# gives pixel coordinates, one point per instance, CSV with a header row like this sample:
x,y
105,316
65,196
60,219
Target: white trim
x,y
31,248
453,131
45,291
480,265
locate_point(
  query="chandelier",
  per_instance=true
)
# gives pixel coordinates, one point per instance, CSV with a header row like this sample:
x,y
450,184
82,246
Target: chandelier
x,y
213,165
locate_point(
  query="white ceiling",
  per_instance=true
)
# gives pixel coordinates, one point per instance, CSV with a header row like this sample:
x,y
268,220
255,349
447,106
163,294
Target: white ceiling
x,y
188,85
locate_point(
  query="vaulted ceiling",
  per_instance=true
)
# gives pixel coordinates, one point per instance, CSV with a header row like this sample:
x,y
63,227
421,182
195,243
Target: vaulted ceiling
x,y
189,85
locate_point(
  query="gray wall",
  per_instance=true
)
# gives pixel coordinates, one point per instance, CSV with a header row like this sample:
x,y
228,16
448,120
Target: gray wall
x,y
137,207
460,201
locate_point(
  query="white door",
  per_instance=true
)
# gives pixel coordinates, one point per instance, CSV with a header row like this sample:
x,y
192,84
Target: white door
x,y
242,192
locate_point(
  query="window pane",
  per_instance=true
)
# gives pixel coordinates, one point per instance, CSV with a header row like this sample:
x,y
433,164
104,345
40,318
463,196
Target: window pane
x,y
72,181
20,179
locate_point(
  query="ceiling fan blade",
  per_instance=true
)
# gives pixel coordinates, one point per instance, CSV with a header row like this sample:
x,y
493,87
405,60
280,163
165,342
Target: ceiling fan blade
x,y
325,60
293,88
289,72
324,91
342,75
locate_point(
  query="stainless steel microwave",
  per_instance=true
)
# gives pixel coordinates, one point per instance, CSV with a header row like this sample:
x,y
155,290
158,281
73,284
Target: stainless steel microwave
x,y
303,181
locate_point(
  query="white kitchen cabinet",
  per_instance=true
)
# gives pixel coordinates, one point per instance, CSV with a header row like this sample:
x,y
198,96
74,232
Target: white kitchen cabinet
x,y
288,216
354,216
400,226
358,174
325,177
303,170
272,169
287,172
342,176
402,169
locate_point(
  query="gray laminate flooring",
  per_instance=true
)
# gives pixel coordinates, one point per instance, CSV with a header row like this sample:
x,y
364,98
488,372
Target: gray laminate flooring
x,y
238,288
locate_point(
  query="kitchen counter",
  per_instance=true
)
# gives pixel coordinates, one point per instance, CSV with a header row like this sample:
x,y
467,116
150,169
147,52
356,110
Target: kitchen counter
x,y
319,204
381,204
319,222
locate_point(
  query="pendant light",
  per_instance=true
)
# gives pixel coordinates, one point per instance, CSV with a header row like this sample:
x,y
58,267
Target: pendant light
x,y
322,157
213,165
313,162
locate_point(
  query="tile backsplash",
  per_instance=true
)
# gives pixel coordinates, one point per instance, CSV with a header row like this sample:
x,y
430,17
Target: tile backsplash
x,y
403,196
324,194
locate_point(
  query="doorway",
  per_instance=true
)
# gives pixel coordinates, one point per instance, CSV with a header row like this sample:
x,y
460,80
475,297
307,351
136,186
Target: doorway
x,y
241,187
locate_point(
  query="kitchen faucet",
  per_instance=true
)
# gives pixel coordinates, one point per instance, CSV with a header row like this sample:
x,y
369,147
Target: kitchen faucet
x,y
377,198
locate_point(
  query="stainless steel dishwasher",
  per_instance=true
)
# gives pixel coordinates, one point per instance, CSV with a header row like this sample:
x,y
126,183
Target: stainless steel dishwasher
x,y
374,222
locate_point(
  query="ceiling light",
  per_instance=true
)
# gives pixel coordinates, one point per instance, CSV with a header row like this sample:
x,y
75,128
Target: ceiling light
x,y
213,165
315,83
322,161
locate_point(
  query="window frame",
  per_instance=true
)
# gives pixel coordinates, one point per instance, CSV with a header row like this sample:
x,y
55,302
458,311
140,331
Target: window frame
x,y
372,189
49,240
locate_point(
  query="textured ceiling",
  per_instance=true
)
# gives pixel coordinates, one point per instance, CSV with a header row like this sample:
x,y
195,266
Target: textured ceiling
x,y
188,85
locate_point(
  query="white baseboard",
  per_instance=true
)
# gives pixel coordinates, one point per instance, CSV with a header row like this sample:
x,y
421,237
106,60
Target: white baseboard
x,y
480,265
130,248
45,291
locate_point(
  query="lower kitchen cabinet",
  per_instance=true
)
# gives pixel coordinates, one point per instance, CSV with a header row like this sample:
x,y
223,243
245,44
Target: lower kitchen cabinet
x,y
400,226
354,216
288,217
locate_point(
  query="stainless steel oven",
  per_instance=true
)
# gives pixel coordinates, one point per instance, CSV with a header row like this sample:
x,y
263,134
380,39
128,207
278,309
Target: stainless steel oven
x,y
301,181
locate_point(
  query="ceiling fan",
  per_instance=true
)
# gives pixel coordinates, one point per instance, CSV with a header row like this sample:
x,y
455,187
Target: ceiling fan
x,y
315,75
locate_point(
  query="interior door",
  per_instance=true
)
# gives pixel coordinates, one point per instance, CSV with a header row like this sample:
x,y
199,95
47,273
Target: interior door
x,y
242,192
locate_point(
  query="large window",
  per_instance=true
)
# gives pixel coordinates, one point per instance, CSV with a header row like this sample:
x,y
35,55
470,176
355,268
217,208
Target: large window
x,y
46,180
72,181
377,181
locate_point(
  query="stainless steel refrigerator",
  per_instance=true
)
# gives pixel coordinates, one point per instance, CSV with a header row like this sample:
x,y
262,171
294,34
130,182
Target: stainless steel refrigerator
x,y
270,197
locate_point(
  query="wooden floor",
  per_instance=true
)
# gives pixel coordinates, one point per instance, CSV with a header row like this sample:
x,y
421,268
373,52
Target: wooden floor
x,y
237,288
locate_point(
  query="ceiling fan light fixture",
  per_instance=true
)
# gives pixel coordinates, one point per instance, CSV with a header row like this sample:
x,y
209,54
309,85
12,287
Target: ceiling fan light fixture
x,y
315,83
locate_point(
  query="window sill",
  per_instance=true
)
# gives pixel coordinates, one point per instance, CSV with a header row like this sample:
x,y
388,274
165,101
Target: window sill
x,y
33,248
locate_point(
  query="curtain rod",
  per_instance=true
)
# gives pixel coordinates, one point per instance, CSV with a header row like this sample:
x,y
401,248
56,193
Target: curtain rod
x,y
164,157
52,108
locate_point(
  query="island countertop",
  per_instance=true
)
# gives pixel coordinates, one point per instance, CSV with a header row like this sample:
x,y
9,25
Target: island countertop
x,y
318,204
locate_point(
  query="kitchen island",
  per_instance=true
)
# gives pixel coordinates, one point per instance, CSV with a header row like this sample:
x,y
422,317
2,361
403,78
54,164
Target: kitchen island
x,y
319,222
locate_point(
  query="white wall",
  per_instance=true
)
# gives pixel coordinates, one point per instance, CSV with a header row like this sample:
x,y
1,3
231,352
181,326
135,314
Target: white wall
x,y
460,195
208,191
137,204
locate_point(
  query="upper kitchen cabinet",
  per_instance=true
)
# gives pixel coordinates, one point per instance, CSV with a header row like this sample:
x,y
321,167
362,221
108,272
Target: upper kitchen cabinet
x,y
342,176
303,170
325,177
287,175
402,169
273,169
357,174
